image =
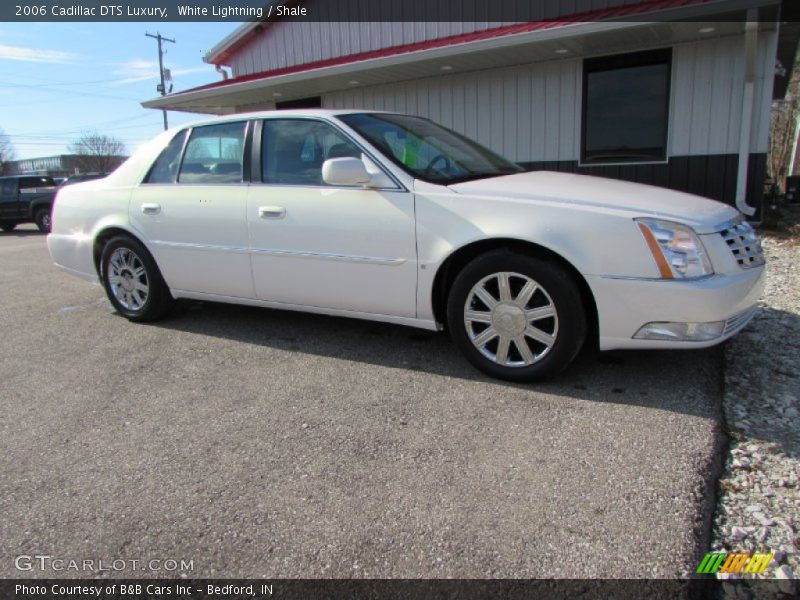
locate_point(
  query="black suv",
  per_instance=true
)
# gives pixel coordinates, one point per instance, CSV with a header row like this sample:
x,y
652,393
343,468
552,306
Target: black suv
x,y
26,199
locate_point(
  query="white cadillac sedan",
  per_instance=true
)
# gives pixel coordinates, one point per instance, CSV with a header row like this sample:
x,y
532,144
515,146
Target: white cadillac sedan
x,y
393,218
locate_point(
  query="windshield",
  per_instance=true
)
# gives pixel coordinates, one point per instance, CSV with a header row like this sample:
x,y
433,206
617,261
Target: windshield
x,y
428,151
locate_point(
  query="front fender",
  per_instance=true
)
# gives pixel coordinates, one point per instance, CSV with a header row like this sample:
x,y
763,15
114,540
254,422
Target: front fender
x,y
592,241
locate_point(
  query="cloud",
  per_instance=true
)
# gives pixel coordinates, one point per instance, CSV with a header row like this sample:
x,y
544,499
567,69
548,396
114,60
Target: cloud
x,y
36,55
135,71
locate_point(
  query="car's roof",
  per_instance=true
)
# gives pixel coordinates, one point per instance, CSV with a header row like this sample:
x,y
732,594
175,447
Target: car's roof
x,y
286,113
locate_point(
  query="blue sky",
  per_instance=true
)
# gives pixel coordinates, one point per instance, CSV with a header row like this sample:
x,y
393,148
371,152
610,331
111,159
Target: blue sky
x,y
57,79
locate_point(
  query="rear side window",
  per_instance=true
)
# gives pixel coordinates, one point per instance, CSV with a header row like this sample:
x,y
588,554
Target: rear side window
x,y
7,187
165,169
214,154
31,183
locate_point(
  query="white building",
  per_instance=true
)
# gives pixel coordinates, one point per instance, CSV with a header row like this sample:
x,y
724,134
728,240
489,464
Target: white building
x,y
676,93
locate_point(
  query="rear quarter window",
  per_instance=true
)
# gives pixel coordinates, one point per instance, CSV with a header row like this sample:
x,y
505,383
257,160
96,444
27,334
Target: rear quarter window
x,y
165,169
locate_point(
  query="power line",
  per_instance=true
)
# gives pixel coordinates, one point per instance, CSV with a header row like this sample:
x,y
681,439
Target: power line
x,y
95,125
59,83
93,94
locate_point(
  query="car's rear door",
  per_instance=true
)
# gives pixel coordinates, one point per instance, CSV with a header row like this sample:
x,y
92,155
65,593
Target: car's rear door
x,y
8,198
191,210
350,248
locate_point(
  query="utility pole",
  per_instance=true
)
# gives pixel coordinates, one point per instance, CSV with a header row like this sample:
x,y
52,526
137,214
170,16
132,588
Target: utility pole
x,y
160,87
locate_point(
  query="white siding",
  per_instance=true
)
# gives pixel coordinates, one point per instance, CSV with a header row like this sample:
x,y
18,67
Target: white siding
x,y
708,84
532,112
528,112
287,43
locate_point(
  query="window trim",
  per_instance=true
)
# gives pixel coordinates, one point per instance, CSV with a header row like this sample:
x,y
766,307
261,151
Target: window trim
x,y
257,176
613,62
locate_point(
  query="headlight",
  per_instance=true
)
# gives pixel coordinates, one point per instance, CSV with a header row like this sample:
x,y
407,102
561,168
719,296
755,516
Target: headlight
x,y
677,250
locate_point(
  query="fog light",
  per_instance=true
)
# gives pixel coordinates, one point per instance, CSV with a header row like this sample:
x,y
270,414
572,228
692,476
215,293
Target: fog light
x,y
681,332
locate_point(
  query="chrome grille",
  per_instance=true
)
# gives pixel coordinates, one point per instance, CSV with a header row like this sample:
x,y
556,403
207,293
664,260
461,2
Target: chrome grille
x,y
744,244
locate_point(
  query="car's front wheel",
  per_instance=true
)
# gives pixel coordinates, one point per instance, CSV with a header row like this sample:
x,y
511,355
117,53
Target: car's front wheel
x,y
516,317
42,219
132,280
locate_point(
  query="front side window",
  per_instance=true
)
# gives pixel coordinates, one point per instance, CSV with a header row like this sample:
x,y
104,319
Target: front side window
x,y
429,151
626,108
293,150
214,154
165,169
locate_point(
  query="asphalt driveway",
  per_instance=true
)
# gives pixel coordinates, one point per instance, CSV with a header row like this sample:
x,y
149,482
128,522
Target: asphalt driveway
x,y
260,443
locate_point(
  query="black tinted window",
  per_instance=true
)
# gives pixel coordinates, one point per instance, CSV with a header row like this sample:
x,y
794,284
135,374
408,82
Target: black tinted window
x,y
28,183
165,168
293,150
214,154
626,107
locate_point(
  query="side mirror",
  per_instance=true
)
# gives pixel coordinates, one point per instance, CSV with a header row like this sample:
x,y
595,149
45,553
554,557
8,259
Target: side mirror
x,y
345,171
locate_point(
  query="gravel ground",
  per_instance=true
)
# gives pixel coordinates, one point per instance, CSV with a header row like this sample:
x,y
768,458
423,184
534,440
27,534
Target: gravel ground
x,y
759,503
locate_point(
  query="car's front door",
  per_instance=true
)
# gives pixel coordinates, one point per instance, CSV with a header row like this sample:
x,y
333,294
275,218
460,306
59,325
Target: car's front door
x,y
349,248
191,209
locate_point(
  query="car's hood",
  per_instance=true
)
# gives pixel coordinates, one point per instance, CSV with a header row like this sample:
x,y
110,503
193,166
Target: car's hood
x,y
636,199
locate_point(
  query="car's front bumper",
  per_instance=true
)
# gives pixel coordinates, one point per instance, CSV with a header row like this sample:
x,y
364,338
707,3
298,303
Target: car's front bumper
x,y
624,306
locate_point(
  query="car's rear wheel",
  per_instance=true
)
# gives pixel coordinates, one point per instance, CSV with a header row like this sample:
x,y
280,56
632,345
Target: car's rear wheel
x,y
132,280
7,225
516,317
42,219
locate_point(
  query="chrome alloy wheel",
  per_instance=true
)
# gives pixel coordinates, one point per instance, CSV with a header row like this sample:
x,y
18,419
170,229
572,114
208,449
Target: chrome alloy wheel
x,y
511,319
127,277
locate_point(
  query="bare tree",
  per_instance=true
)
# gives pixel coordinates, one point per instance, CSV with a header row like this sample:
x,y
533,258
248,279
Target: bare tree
x,y
97,152
783,128
6,152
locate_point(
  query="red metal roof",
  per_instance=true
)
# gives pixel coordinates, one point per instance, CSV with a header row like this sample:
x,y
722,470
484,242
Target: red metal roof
x,y
608,14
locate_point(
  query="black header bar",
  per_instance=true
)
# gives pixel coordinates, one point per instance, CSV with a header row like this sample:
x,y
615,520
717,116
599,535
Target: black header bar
x,y
496,11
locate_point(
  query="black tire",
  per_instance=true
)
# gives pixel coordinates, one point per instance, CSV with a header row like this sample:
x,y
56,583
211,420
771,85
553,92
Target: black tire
x,y
42,219
8,225
556,292
137,307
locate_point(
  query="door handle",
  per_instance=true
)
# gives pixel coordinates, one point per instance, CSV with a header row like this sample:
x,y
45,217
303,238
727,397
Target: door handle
x,y
151,209
271,212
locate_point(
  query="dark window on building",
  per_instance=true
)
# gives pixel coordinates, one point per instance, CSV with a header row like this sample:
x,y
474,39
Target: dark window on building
x,y
626,107
165,168
311,102
214,154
